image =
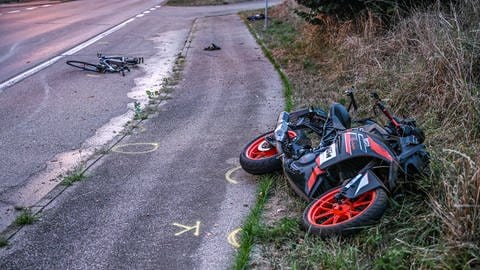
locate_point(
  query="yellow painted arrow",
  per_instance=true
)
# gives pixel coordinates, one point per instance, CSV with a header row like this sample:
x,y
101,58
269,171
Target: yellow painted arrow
x,y
188,228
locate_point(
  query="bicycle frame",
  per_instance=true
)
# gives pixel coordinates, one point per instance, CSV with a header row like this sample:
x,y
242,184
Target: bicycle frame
x,y
108,64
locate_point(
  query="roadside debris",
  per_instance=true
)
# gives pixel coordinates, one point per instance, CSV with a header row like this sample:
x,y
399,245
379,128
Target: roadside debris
x,y
212,47
256,17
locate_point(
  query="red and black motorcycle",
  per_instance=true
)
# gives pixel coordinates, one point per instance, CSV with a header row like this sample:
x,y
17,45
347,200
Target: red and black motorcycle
x,y
351,173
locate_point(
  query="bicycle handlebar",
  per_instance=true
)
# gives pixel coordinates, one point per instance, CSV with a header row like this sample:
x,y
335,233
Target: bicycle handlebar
x,y
381,106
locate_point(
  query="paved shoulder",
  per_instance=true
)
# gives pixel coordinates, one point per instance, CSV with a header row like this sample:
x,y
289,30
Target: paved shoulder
x,y
171,207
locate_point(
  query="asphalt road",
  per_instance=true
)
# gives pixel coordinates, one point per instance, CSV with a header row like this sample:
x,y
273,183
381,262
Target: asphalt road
x,y
169,208
35,32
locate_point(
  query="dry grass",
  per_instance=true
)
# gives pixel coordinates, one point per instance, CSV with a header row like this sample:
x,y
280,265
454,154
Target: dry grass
x,y
427,66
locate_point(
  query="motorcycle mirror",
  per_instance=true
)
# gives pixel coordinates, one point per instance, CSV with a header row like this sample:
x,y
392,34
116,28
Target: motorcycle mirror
x,y
353,103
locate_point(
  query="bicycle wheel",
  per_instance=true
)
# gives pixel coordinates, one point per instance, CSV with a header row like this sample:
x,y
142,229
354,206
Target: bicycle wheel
x,y
84,66
134,61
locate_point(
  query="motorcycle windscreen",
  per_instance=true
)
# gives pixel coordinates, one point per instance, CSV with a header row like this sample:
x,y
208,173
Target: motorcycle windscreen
x,y
355,144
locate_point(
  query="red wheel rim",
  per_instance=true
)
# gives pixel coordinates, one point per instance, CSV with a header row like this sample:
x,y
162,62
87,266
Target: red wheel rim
x,y
326,211
260,148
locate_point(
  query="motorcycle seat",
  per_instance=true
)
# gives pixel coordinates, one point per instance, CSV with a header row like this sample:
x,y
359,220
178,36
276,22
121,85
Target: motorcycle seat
x,y
340,117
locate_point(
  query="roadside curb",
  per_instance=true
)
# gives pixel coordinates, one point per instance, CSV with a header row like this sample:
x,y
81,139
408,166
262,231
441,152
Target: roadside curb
x,y
188,41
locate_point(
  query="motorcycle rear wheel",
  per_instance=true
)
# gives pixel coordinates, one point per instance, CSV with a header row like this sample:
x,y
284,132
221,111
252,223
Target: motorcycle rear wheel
x,y
259,157
326,217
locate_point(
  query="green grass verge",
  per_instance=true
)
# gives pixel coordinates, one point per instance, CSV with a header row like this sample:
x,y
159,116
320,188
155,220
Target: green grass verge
x,y
3,242
252,225
73,177
25,218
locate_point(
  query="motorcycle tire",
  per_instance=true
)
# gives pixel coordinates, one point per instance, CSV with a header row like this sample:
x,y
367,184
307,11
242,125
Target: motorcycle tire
x,y
325,217
259,157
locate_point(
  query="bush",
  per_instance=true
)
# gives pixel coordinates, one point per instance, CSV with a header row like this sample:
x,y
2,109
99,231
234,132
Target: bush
x,y
350,9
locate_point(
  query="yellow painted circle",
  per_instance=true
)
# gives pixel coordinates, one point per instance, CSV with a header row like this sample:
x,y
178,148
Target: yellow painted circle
x,y
229,173
232,238
124,148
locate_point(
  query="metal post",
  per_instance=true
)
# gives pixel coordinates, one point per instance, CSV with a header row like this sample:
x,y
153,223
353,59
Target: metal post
x,y
266,17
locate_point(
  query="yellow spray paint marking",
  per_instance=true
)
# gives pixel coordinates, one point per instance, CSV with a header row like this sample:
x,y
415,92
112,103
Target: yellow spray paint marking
x,y
120,148
228,175
93,76
232,238
188,228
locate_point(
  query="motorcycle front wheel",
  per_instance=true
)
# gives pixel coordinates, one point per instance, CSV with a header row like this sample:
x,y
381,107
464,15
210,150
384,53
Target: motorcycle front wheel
x,y
326,217
260,157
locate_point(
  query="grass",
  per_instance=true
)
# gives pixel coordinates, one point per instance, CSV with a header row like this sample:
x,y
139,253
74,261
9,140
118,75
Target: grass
x,y
25,218
3,242
426,66
75,176
157,96
251,226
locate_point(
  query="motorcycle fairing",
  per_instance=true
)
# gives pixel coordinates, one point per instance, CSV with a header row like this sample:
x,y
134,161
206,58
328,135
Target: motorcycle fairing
x,y
353,144
306,177
361,184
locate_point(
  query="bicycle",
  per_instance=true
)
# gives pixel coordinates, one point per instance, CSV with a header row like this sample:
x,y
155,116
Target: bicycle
x,y
110,64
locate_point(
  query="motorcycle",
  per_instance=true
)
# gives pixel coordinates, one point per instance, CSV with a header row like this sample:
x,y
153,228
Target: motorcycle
x,y
350,175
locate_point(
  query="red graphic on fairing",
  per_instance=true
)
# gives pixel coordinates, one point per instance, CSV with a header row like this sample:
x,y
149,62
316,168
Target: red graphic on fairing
x,y
315,173
348,146
360,142
379,149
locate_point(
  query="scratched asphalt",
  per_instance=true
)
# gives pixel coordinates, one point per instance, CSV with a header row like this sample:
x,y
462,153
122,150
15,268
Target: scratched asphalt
x,y
142,211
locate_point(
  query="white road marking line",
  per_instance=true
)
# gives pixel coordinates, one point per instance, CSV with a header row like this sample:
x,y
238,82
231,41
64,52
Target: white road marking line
x,y
31,8
152,9
146,12
46,6
50,62
140,15
97,38
13,11
29,72
157,6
